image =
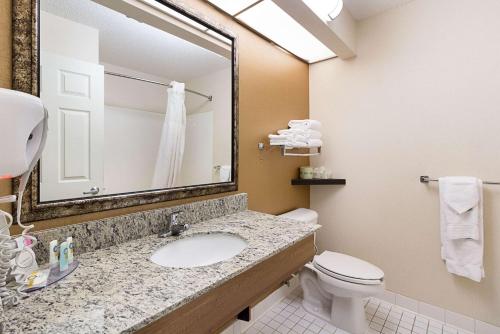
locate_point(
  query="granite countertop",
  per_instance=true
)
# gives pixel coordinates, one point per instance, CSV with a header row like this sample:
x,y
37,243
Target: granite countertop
x,y
119,290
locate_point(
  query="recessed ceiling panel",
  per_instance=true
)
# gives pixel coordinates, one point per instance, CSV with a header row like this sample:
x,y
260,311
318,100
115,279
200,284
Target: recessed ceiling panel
x,y
271,21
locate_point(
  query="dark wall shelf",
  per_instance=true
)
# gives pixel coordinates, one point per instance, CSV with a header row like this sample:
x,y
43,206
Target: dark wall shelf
x,y
312,182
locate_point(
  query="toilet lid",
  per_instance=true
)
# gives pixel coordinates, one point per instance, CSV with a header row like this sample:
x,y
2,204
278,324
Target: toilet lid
x,y
348,268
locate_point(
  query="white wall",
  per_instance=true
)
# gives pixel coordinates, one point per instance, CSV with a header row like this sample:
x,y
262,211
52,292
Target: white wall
x,y
197,162
217,84
131,141
133,119
421,98
68,38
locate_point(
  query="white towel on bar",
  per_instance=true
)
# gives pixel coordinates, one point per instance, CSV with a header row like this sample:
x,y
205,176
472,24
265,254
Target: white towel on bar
x,y
314,143
277,139
307,133
462,237
225,173
305,124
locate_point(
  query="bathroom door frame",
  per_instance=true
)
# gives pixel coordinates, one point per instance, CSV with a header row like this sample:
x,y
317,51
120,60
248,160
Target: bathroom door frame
x,y
26,78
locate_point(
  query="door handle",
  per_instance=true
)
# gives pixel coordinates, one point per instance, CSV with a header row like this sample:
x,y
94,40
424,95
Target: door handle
x,y
92,191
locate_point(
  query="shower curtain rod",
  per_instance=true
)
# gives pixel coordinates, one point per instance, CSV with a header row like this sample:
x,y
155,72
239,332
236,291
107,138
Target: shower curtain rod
x,y
208,97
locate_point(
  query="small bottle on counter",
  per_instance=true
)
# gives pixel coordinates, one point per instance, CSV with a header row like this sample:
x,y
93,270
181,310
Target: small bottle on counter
x,y
63,256
53,253
71,245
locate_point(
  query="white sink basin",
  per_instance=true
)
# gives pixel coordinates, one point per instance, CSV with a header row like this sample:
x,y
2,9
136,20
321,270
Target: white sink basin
x,y
199,250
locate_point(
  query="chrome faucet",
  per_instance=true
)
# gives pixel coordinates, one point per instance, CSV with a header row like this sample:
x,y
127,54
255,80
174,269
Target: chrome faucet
x,y
173,227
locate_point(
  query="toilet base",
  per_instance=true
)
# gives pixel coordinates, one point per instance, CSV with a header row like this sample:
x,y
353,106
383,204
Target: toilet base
x,y
318,311
347,313
344,313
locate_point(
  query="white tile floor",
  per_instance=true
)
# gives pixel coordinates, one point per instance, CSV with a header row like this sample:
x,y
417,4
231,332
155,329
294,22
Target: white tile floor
x,y
288,316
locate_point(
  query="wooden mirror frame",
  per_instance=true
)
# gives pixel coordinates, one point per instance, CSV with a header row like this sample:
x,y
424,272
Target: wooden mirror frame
x,y
25,73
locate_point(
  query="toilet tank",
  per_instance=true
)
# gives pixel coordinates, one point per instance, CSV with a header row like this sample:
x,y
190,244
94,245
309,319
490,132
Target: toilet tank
x,y
303,215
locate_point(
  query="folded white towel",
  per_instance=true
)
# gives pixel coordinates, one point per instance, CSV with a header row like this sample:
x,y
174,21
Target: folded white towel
x,y
225,173
307,133
288,143
461,207
460,196
278,137
288,137
305,124
294,139
314,143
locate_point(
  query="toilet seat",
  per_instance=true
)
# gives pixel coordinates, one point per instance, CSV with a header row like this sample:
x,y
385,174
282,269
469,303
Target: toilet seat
x,y
348,268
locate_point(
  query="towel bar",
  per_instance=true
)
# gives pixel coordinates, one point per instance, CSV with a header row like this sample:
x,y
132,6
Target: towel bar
x,y
285,153
427,179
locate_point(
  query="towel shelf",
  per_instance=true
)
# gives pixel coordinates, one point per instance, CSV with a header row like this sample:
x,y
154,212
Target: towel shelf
x,y
427,179
285,151
317,182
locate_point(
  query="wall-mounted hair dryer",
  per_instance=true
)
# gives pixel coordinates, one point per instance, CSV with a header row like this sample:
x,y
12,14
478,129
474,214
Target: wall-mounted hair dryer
x,y
21,120
23,130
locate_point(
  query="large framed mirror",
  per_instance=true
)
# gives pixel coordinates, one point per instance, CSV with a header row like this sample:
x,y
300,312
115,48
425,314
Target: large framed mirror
x,y
142,97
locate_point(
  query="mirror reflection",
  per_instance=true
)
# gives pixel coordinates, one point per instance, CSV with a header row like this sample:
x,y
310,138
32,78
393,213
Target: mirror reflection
x,y
135,103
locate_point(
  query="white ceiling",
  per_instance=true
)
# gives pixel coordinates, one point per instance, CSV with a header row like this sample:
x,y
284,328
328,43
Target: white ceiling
x,y
362,9
131,44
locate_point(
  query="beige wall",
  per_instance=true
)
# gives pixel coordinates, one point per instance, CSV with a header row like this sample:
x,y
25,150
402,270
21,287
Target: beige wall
x,y
421,98
273,89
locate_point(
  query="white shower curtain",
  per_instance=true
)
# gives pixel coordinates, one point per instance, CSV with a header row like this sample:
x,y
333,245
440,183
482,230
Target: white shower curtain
x,y
171,150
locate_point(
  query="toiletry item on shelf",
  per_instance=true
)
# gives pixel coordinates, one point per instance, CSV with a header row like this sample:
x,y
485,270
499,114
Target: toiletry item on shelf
x,y
327,174
71,245
53,253
306,172
316,173
63,256
319,173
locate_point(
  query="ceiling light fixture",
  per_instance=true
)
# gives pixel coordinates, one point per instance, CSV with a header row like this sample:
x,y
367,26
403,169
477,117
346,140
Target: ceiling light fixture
x,y
327,10
272,22
336,12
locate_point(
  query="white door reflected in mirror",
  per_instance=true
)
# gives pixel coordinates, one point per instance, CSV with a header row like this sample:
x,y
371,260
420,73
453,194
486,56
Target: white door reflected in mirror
x,y
72,91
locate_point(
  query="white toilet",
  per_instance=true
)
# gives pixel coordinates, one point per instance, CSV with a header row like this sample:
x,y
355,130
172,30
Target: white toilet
x,y
335,285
